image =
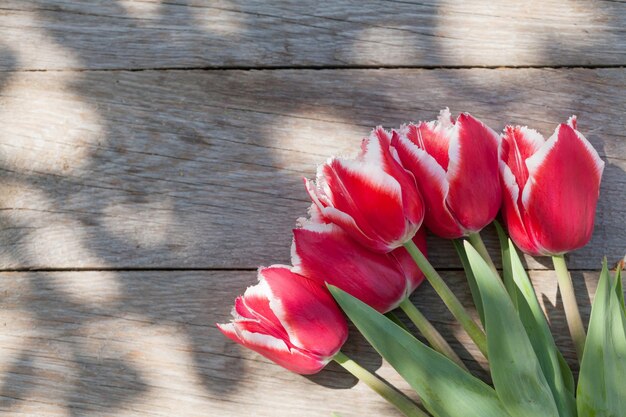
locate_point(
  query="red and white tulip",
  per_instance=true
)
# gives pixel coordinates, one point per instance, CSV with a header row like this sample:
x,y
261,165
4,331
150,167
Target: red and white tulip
x,y
455,165
289,319
550,188
325,253
373,198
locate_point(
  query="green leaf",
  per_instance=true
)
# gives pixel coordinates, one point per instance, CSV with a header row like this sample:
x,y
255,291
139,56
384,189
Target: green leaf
x,y
517,374
566,372
554,368
601,389
507,271
618,285
445,389
392,316
458,245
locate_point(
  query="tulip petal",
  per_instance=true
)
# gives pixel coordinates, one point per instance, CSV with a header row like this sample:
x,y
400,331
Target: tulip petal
x,y
255,305
326,213
518,144
561,194
433,185
434,137
306,310
364,191
475,195
512,214
377,151
326,254
274,349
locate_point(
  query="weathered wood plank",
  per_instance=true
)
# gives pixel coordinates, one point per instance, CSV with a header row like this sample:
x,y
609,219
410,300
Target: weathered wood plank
x,y
144,344
170,169
127,34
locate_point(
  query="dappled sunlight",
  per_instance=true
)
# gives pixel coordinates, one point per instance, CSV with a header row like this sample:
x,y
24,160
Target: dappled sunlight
x,y
127,161
161,356
55,128
33,46
314,132
95,290
38,228
221,21
141,10
148,224
46,244
383,46
26,351
516,39
18,325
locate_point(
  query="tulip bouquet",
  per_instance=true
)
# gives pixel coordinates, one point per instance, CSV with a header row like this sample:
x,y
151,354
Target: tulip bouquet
x,y
362,250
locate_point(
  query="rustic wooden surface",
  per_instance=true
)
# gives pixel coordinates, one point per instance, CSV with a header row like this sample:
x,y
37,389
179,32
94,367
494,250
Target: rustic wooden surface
x,y
134,343
151,155
127,34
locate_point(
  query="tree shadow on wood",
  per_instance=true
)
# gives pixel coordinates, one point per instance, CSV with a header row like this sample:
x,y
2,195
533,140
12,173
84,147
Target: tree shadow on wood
x,y
185,157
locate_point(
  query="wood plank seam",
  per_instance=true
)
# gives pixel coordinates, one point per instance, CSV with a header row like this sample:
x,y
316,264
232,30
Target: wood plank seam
x,y
315,67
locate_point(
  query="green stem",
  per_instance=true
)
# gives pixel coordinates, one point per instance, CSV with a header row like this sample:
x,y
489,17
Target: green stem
x,y
430,333
394,397
448,297
477,242
574,322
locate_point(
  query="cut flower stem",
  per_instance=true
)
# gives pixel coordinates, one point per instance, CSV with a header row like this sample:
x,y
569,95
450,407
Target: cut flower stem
x,y
394,397
477,242
572,314
448,297
430,332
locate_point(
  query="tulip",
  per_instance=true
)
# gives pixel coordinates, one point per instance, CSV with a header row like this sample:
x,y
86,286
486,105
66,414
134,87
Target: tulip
x,y
288,319
371,197
549,200
325,253
550,188
455,165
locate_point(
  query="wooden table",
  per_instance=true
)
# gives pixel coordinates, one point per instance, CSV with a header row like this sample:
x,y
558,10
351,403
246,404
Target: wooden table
x,y
151,155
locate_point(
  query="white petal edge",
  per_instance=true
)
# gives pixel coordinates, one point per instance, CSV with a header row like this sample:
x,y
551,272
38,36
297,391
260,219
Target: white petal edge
x,y
262,340
374,152
312,225
444,119
536,139
510,185
374,175
277,306
431,164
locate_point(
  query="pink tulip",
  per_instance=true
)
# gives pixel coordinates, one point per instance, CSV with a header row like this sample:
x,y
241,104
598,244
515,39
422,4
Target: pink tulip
x,y
289,319
455,165
550,188
325,253
371,197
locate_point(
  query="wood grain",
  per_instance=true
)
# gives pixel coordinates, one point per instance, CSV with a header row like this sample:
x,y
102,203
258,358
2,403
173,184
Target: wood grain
x,y
196,169
144,343
127,34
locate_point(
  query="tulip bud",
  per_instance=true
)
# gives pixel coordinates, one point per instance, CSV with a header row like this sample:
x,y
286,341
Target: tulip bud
x,y
289,319
455,165
372,197
325,253
550,188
